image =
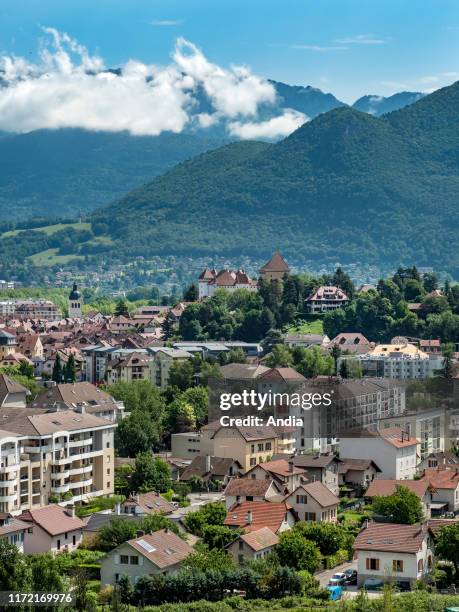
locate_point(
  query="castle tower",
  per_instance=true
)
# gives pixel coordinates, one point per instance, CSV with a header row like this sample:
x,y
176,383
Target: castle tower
x,y
75,303
275,268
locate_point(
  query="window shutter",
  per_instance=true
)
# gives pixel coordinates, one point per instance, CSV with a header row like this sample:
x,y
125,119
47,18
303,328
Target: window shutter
x,y
117,559
140,560
367,563
401,565
377,564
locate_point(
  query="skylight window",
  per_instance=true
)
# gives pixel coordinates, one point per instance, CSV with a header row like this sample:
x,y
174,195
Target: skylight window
x,y
145,545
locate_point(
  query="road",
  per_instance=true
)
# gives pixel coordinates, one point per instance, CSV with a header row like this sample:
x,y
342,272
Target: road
x,y
350,591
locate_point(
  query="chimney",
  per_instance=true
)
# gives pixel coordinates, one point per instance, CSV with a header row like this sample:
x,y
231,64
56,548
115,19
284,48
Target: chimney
x,y
249,517
70,510
290,466
366,523
140,534
208,466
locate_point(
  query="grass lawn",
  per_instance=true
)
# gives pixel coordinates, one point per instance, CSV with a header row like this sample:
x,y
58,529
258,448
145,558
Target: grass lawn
x,y
314,326
351,516
51,258
49,229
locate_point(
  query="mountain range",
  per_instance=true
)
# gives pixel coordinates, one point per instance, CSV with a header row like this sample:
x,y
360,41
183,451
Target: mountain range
x,y
345,186
67,172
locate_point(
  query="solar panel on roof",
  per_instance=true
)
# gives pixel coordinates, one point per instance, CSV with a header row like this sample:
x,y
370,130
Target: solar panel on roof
x,y
148,547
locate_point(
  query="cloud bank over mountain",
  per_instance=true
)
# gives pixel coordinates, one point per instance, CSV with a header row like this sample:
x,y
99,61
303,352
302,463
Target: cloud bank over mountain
x,y
67,87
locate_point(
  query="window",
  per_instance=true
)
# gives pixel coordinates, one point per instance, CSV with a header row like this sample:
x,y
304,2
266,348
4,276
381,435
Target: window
x,y
66,535
74,540
240,558
241,545
253,461
310,516
252,448
108,484
260,448
124,559
134,560
268,446
301,499
372,564
108,444
58,545
108,471
397,565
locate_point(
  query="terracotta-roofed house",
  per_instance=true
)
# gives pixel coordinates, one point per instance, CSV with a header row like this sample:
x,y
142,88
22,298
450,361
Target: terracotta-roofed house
x,y
13,530
251,516
445,485
385,488
275,268
55,529
357,472
212,468
280,470
146,503
160,552
314,502
249,489
253,545
389,551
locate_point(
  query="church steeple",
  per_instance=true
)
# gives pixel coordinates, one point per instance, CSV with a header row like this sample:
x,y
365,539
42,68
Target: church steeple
x,y
75,303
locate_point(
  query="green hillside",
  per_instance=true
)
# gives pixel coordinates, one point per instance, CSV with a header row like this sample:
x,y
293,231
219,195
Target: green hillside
x,y
346,186
55,173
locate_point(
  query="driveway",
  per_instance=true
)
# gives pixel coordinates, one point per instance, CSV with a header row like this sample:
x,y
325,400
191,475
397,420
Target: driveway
x,y
349,591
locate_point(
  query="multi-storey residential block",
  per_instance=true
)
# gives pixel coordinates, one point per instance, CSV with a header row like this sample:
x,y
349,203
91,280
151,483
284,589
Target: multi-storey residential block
x,y
37,309
397,361
44,456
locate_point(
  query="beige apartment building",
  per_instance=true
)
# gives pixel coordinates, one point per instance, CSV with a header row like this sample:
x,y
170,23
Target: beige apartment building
x,y
46,456
248,445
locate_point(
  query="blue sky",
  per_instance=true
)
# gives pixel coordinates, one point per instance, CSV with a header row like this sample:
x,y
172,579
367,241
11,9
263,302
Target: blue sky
x,y
348,47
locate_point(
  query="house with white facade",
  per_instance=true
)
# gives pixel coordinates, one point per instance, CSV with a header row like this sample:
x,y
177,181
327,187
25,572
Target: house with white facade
x,y
393,450
314,502
392,552
254,545
54,529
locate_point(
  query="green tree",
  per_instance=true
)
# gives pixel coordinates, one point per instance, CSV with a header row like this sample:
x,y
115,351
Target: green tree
x,y
198,398
26,369
206,557
46,575
155,521
447,545
15,574
69,371
180,417
57,370
136,433
295,551
140,395
191,294
219,536
210,514
121,309
119,530
328,537
150,474
181,374
168,326
280,356
403,506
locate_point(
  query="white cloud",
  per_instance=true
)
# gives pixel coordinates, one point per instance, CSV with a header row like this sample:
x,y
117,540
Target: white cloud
x,y
275,127
319,48
361,39
69,87
166,22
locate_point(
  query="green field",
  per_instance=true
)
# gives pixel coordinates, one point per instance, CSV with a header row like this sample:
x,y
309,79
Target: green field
x,y
48,229
314,326
51,258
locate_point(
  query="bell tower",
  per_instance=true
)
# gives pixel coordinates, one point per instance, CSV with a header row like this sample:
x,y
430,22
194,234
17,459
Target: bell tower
x,y
75,303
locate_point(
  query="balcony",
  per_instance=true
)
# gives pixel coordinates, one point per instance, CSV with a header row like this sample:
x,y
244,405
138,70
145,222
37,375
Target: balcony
x,y
10,481
60,488
82,442
60,475
80,470
12,466
80,483
8,498
86,455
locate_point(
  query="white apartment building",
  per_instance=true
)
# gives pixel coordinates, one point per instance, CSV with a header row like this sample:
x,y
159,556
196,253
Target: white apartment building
x,y
399,362
45,456
7,308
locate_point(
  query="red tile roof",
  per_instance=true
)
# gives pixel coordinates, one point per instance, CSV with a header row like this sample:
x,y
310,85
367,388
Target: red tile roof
x,y
318,491
264,514
384,488
391,537
276,264
163,548
248,486
260,539
442,478
54,519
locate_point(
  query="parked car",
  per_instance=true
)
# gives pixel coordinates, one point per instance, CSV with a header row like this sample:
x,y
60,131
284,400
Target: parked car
x,y
350,577
373,584
337,579
335,592
403,585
